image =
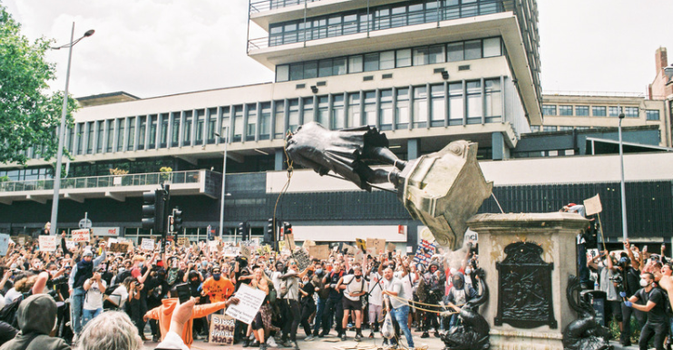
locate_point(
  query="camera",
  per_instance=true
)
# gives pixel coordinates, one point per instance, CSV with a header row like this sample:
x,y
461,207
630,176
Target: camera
x,y
618,280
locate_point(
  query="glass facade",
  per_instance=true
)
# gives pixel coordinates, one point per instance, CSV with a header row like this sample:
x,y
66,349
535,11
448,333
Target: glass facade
x,y
599,111
374,61
652,114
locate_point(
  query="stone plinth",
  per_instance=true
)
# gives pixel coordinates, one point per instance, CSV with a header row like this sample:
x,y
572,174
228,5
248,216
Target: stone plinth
x,y
540,255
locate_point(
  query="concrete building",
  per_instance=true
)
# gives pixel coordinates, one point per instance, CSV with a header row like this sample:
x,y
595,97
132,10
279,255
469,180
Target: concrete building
x,y
424,72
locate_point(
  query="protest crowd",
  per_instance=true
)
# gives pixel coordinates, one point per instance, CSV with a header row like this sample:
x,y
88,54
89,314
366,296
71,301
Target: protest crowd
x,y
111,294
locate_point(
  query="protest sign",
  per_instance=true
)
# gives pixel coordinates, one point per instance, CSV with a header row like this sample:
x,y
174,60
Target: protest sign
x,y
147,244
361,243
245,251
391,247
290,241
348,249
303,260
424,252
222,329
47,243
182,241
21,241
80,235
319,251
69,244
230,249
593,205
250,301
119,247
212,245
376,246
4,244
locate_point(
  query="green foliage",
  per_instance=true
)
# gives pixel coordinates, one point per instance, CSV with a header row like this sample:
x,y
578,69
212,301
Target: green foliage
x,y
29,115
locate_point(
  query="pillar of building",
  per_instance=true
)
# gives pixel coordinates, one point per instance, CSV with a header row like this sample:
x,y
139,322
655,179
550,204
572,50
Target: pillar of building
x,y
498,148
278,165
413,148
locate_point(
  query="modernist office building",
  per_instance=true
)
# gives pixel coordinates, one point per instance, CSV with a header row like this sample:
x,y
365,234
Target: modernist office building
x,y
425,72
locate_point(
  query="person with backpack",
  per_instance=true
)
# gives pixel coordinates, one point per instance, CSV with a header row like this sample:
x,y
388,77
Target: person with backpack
x,y
354,287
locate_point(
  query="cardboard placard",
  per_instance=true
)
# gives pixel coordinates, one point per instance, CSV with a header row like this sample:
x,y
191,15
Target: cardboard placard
x,y
80,236
290,241
4,244
69,244
222,329
119,247
347,249
391,247
303,260
361,243
250,301
47,243
147,244
183,241
245,251
376,246
21,241
593,205
319,251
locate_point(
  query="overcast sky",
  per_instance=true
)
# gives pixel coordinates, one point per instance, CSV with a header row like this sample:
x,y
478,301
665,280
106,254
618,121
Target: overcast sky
x,y
159,47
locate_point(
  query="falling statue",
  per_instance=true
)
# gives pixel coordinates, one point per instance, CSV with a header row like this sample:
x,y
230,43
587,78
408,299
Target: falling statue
x,y
441,189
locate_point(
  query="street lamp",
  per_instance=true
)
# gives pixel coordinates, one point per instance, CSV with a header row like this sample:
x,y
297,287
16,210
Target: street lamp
x,y
625,234
224,177
61,132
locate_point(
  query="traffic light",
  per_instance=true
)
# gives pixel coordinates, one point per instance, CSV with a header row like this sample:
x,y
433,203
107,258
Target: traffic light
x,y
177,219
287,228
270,229
242,230
154,216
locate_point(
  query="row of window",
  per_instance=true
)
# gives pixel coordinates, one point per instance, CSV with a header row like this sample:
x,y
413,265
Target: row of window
x,y
407,57
378,18
430,105
596,111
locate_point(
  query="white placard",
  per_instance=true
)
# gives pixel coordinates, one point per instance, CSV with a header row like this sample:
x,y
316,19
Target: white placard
x,y
47,243
69,244
80,235
4,244
250,302
147,244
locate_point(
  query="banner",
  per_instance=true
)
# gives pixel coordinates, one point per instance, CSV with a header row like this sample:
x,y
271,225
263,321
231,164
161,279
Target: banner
x,y
47,243
250,302
4,244
222,329
424,252
147,244
80,236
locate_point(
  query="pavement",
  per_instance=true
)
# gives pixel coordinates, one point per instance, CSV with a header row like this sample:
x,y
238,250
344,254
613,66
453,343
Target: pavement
x,y
331,342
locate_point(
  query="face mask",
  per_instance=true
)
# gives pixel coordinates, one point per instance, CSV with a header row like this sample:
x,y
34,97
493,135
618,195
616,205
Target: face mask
x,y
204,263
468,271
458,284
318,271
358,277
195,281
643,283
217,276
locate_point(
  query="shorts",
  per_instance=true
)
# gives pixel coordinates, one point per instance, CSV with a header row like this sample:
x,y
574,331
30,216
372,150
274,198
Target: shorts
x,y
375,313
352,304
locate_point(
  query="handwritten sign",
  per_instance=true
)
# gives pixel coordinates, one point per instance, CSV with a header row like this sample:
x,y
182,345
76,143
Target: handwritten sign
x,y
303,260
375,246
361,243
222,329
119,247
230,249
245,251
21,241
47,243
80,235
250,302
4,244
349,249
182,241
147,244
593,205
290,241
319,251
69,244
391,247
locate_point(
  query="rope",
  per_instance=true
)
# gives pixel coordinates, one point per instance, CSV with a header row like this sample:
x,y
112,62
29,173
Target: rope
x,y
407,301
290,171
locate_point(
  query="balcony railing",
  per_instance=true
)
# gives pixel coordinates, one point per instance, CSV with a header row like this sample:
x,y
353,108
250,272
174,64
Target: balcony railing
x,y
266,5
175,177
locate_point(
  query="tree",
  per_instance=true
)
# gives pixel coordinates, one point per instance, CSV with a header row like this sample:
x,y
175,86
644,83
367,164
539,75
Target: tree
x,y
29,115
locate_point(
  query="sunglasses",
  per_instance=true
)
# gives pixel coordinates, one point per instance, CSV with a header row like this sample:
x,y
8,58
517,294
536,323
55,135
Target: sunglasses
x,y
293,263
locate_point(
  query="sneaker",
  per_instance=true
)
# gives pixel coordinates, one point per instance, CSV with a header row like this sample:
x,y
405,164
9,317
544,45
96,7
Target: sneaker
x,y
425,335
358,337
295,346
246,343
322,335
271,342
437,335
262,346
371,335
286,343
343,337
309,338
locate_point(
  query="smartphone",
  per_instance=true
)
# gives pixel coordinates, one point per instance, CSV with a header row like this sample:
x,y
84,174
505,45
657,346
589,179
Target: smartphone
x,y
183,292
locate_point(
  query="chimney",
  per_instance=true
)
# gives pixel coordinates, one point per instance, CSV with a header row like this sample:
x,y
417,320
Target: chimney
x,y
661,59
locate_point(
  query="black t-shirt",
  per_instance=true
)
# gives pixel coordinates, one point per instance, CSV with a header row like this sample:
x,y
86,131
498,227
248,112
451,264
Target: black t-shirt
x,y
657,315
631,280
310,289
333,279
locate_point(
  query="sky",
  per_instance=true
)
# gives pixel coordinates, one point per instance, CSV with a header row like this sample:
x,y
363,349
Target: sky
x,y
151,48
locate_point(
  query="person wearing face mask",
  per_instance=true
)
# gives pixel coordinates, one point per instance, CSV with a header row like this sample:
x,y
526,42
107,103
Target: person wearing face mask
x,y
194,278
354,287
459,294
657,321
291,280
606,270
334,305
218,286
157,288
323,294
307,304
433,283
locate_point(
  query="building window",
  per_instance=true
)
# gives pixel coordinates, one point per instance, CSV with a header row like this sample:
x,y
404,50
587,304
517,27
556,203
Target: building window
x,y
548,128
187,128
239,129
492,47
354,116
387,60
548,110
438,105
355,64
402,109
163,139
110,136
100,129
225,124
598,111
175,129
121,124
142,130
338,118
153,131
371,62
474,102
200,124
565,128
279,117
565,110
582,111
90,135
251,127
456,104
386,109
403,58
420,107
370,108
534,128
131,137
472,49
282,72
265,121
211,125
293,115
493,100
308,114
652,114
322,117
614,111
631,112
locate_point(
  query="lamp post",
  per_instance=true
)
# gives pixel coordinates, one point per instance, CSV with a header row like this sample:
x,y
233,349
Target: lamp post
x,y
625,234
61,132
225,131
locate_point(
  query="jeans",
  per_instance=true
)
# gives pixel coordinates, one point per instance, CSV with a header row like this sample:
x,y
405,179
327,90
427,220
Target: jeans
x,y
658,331
76,304
401,315
641,317
318,315
88,315
334,310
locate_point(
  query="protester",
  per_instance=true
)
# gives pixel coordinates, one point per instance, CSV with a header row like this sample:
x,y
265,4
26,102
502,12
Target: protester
x,y
36,318
657,321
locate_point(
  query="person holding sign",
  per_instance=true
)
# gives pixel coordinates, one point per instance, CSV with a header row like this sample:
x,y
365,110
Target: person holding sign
x,y
289,290
261,325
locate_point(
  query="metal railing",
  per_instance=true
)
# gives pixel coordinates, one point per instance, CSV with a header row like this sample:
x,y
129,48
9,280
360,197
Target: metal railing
x,y
175,177
266,5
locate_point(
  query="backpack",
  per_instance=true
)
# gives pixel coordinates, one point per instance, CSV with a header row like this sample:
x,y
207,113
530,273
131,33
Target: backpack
x,y
8,313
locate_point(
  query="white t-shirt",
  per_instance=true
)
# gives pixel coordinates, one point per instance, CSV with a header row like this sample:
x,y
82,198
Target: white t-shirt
x,y
120,295
375,289
94,297
353,287
11,295
407,284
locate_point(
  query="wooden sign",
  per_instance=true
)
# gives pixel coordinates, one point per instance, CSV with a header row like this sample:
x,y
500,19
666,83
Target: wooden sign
x,y
222,329
183,241
376,246
119,247
319,251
